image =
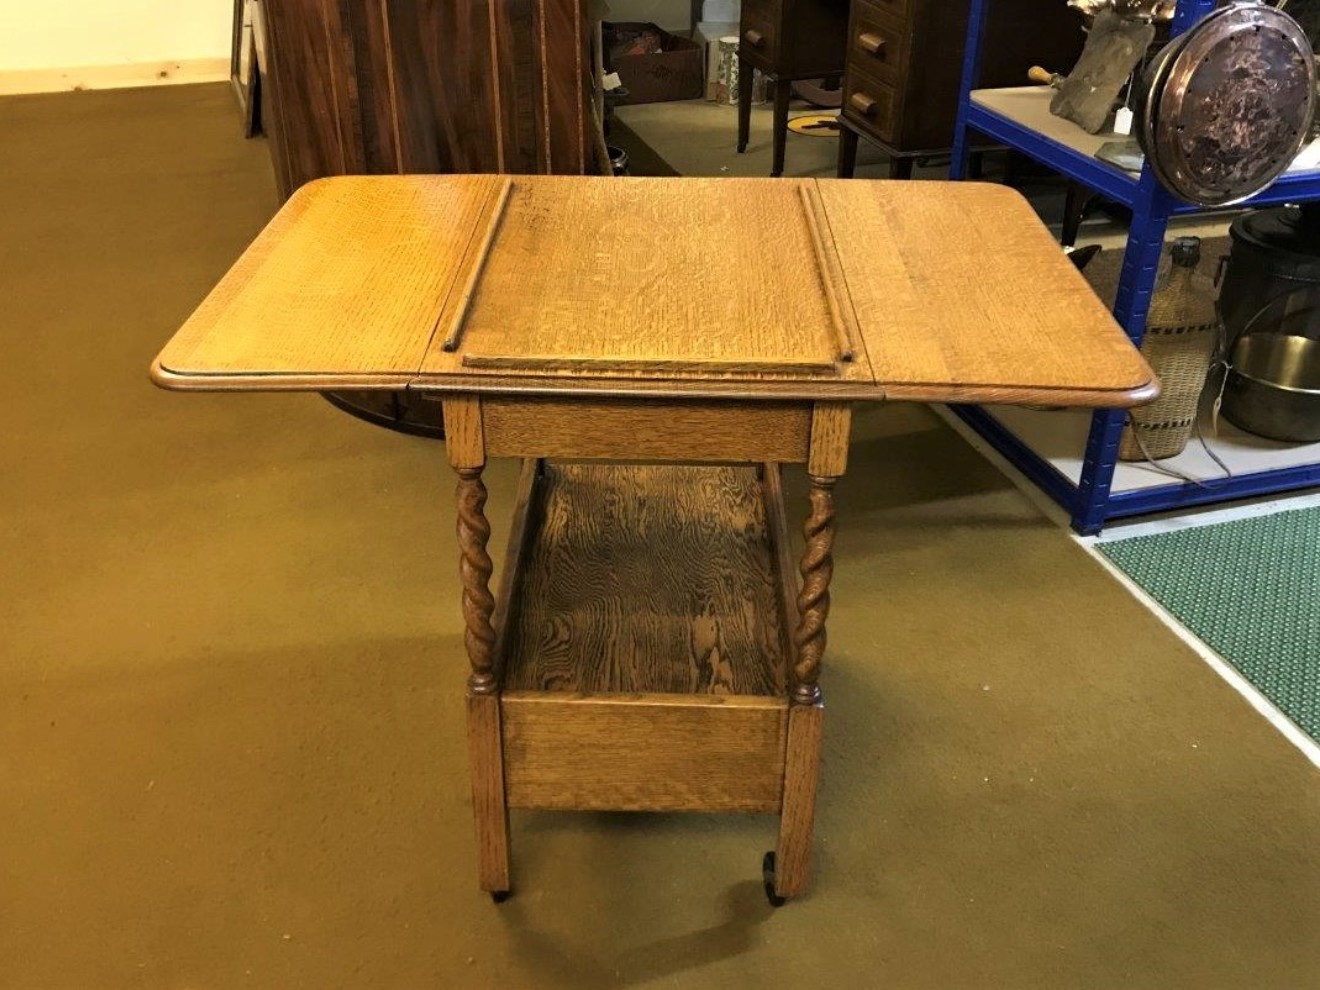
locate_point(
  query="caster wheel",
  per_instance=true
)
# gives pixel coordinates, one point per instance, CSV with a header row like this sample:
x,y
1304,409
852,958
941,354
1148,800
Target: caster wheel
x,y
768,878
499,896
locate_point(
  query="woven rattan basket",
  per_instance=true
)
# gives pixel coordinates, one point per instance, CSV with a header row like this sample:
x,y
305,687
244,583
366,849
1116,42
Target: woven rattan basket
x,y
1182,333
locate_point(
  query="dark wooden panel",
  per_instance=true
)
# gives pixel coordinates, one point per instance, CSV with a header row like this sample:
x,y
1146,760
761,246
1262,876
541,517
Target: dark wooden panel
x,y
924,97
369,103
443,84
760,27
517,70
1023,33
560,42
300,93
424,86
818,30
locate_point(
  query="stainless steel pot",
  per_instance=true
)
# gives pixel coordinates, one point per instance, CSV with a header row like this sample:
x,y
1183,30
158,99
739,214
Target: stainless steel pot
x,y
1273,387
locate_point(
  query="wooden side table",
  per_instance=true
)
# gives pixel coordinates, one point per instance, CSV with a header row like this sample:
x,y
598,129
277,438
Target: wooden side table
x,y
651,646
787,40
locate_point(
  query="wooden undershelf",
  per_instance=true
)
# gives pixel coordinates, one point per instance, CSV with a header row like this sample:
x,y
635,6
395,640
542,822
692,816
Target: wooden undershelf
x,y
647,579
645,645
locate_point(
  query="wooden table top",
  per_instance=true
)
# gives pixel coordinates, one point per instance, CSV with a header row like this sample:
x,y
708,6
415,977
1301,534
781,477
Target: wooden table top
x,y
810,288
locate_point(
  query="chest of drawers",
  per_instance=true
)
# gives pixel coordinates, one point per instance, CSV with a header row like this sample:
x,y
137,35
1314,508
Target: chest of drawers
x,y
787,40
903,65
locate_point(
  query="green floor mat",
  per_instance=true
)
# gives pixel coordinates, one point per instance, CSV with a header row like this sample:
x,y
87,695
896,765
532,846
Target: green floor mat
x,y
1251,590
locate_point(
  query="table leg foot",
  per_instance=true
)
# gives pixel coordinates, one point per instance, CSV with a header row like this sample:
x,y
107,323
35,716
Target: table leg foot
x,y
797,815
489,808
768,878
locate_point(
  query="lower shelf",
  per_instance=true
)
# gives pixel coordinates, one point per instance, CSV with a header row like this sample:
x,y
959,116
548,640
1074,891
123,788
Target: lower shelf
x,y
1060,438
1047,447
647,579
644,640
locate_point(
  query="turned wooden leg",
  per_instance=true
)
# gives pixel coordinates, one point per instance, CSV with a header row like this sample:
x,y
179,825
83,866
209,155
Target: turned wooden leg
x,y
806,713
485,743
746,76
847,152
814,599
783,94
474,569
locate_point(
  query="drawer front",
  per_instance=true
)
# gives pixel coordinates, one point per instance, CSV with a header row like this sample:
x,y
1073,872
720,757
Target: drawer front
x,y
872,103
758,35
878,45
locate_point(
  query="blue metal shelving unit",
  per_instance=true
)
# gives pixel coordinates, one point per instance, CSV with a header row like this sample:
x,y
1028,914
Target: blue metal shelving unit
x,y
1091,501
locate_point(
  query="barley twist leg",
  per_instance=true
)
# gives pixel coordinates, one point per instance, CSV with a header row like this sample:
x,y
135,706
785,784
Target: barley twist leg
x,y
474,571
817,569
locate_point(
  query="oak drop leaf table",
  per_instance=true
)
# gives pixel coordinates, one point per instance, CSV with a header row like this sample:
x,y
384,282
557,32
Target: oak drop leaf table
x,y
653,349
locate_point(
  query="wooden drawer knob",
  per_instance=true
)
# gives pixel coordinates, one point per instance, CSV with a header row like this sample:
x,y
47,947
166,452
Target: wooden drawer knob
x,y
754,38
863,104
872,43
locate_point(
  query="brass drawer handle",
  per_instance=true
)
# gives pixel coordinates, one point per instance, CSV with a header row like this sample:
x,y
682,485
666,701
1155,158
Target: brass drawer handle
x,y
863,104
872,43
754,38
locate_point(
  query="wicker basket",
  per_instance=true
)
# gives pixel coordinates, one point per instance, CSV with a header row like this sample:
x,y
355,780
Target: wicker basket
x,y
1182,333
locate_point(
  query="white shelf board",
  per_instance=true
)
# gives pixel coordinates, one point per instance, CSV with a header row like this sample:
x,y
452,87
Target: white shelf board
x,y
1060,438
1030,107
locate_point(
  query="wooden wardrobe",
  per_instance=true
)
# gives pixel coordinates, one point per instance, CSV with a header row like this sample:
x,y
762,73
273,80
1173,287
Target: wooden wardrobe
x,y
401,86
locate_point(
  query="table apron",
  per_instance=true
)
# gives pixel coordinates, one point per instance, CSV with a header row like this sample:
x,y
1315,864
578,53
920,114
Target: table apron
x,y
706,430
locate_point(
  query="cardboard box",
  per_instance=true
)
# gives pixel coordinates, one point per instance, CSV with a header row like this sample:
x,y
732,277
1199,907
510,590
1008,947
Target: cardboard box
x,y
677,72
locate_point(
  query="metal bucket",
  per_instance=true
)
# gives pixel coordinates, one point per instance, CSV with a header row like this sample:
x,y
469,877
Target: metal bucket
x,y
1273,387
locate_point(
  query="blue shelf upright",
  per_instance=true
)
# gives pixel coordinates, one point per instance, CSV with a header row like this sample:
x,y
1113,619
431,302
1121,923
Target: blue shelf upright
x,y
1091,500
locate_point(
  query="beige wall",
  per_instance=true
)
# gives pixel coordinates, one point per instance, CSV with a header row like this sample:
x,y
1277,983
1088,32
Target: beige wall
x,y
44,34
87,42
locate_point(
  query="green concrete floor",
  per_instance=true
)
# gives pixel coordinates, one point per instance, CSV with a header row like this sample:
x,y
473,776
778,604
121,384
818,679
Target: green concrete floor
x,y
231,740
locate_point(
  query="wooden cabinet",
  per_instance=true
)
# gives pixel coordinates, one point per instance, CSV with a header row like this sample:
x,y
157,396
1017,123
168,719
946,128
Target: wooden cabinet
x,y
903,65
787,40
401,86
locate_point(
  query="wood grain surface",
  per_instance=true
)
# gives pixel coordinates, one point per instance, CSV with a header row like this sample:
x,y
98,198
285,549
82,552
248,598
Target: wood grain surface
x,y
589,278
646,429
348,277
465,439
489,807
831,431
651,579
644,753
661,287
785,568
806,724
521,531
960,290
